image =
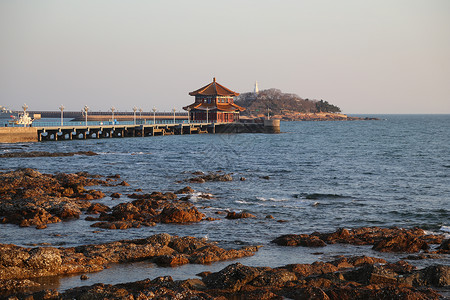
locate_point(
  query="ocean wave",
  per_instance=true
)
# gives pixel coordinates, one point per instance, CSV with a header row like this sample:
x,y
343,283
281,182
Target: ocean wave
x,y
271,199
445,229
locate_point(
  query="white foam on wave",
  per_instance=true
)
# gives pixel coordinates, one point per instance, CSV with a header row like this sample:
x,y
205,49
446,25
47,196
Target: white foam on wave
x,y
445,229
271,199
243,202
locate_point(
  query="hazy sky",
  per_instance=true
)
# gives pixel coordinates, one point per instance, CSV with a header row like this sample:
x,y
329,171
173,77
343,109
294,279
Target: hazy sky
x,y
380,56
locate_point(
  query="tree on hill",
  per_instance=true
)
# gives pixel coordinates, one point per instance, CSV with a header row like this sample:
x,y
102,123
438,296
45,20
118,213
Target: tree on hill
x,y
280,103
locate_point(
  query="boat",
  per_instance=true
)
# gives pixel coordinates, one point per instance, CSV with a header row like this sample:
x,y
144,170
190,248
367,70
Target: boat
x,y
6,113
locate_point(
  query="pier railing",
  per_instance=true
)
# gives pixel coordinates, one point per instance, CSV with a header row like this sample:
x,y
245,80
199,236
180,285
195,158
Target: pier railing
x,y
39,123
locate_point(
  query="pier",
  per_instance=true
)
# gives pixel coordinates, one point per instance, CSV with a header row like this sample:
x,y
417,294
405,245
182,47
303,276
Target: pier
x,y
81,132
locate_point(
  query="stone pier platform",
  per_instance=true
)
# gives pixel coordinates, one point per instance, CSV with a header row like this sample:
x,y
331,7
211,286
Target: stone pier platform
x,y
58,133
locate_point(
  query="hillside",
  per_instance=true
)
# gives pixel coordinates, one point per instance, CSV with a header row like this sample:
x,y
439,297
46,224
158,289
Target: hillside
x,y
281,103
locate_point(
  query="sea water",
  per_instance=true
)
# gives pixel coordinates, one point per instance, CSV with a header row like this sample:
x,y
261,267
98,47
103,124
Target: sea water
x,y
321,176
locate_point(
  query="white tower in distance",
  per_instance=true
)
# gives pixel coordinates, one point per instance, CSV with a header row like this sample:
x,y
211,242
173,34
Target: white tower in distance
x,y
256,90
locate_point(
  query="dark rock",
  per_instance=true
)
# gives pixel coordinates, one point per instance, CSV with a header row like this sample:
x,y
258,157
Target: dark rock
x,y
437,275
233,277
97,208
185,190
115,195
30,198
445,247
382,239
84,277
21,263
303,240
211,177
172,260
115,176
242,215
401,243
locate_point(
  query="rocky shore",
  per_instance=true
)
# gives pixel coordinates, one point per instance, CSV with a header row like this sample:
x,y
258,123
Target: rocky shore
x,y
31,198
382,239
344,278
19,263
318,116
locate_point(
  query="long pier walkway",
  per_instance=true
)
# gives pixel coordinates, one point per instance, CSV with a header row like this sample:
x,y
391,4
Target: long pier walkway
x,y
70,132
51,132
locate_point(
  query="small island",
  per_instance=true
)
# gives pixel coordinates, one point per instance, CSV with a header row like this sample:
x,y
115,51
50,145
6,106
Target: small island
x,y
289,107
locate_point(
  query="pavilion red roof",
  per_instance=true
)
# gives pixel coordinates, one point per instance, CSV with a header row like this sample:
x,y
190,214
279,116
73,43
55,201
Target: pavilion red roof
x,y
214,89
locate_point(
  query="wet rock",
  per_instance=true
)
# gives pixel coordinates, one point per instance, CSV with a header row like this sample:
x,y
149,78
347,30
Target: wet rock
x,y
265,177
211,177
382,239
402,243
124,183
172,260
372,274
97,208
242,179
445,247
21,263
316,268
233,277
147,210
115,176
11,286
185,190
242,215
319,280
205,196
303,240
269,217
273,277
180,215
84,277
401,267
438,276
30,198
116,195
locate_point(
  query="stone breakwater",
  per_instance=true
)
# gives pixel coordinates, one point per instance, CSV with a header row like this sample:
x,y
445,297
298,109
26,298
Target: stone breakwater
x,y
359,277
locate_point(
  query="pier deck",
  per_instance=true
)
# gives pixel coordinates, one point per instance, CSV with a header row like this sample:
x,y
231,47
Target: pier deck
x,y
55,133
72,132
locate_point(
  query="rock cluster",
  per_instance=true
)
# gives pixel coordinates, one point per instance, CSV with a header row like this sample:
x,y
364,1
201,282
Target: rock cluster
x,y
344,278
383,239
218,176
241,215
30,198
147,210
19,263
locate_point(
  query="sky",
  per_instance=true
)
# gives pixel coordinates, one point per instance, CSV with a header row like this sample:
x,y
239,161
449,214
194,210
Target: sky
x,y
367,57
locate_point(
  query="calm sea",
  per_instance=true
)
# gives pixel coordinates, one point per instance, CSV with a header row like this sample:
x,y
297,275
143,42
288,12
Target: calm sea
x,y
322,176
